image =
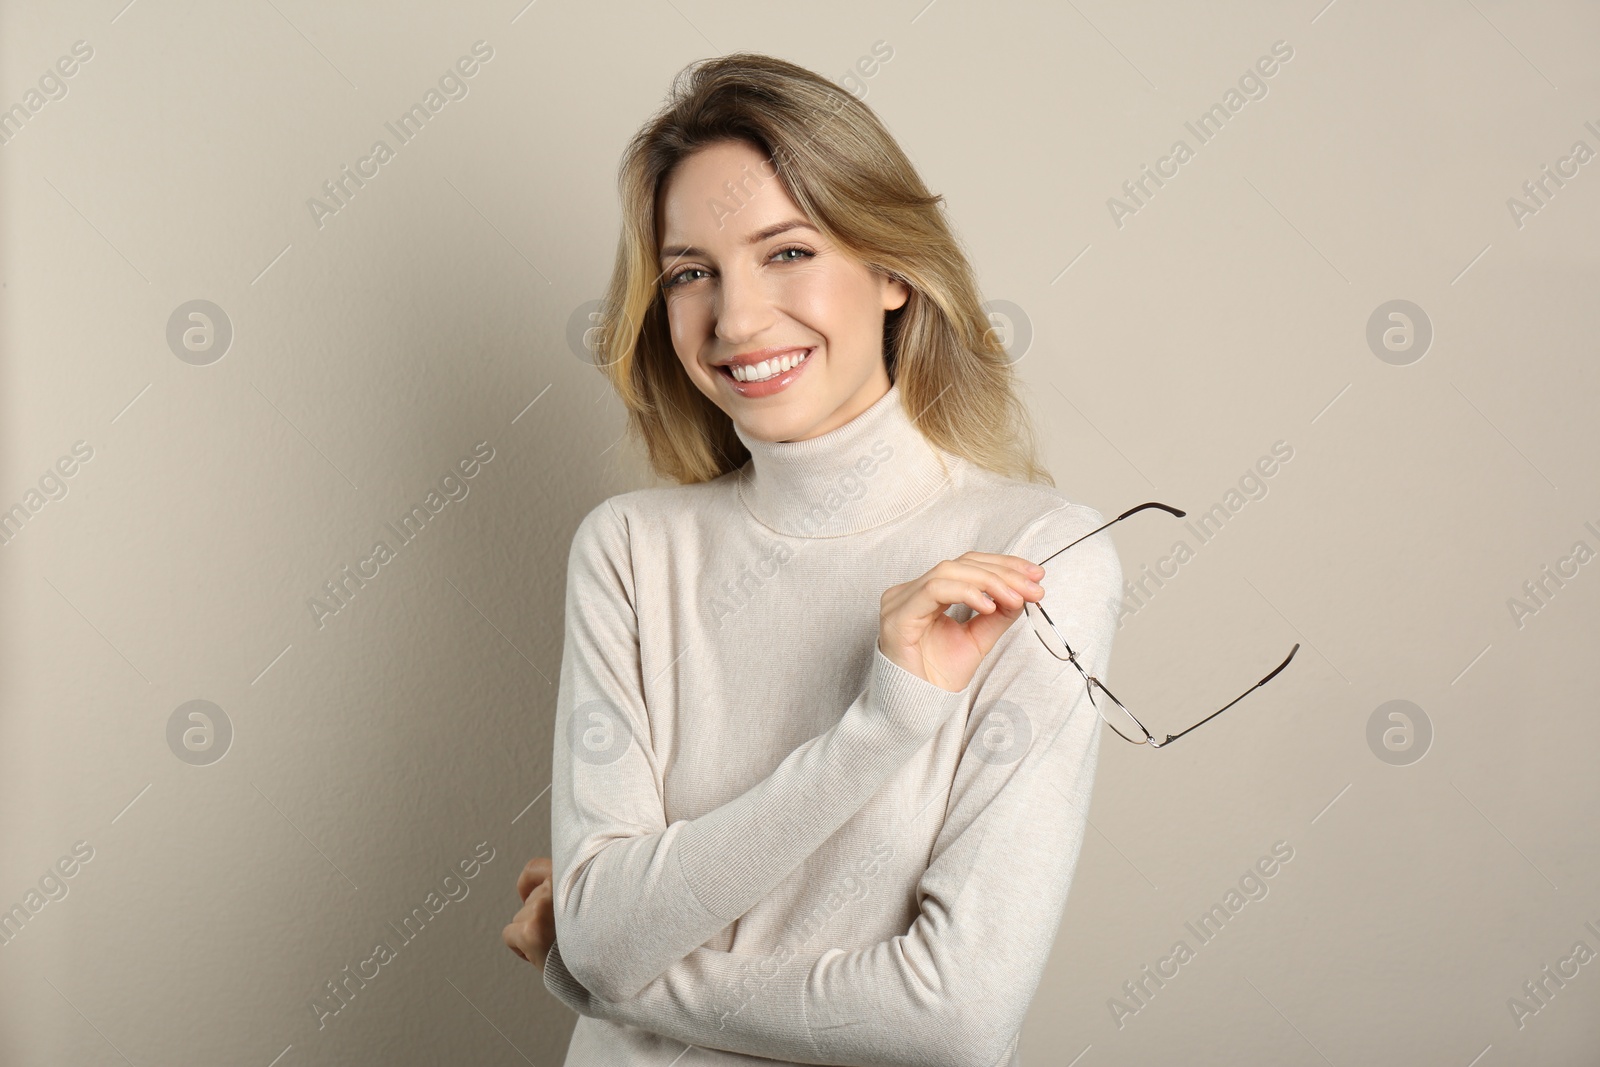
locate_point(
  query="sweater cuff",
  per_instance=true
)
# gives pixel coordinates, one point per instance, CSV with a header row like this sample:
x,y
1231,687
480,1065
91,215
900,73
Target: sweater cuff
x,y
911,704
559,981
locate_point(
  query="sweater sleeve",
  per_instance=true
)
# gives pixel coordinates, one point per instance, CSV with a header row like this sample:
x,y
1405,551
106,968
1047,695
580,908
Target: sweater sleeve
x,y
954,988
632,894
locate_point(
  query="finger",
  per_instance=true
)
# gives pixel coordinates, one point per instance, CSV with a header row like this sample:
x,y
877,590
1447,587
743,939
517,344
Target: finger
x,y
1026,566
938,593
512,936
1004,585
532,931
544,918
536,918
916,603
986,628
1011,569
530,909
536,871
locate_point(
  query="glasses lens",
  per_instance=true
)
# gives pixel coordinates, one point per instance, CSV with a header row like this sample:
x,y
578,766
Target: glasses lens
x,y
1115,715
1047,633
1111,710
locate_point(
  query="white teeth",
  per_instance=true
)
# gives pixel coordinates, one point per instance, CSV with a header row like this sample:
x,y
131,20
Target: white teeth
x,y
769,368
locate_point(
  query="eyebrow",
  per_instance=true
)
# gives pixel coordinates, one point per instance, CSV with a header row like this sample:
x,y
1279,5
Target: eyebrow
x,y
679,251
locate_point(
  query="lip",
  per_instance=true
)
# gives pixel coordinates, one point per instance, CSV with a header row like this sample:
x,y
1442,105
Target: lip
x,y
771,385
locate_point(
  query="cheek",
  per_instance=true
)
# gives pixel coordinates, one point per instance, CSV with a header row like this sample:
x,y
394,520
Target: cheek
x,y
687,326
831,303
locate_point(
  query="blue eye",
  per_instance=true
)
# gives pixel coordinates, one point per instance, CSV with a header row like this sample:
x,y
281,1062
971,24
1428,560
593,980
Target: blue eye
x,y
677,279
682,277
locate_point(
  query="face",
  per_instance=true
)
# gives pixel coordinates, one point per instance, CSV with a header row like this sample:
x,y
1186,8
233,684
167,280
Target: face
x,y
749,279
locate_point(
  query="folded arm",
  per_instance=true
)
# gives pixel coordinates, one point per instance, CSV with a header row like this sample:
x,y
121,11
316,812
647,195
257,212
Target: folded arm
x,y
955,987
632,894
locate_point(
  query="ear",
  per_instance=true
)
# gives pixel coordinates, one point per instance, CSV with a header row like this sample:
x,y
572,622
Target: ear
x,y
895,292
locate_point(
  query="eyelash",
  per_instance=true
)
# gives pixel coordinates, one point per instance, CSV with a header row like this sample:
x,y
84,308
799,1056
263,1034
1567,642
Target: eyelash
x,y
673,281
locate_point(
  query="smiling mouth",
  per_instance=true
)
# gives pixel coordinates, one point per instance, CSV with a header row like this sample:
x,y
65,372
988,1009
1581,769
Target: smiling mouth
x,y
766,369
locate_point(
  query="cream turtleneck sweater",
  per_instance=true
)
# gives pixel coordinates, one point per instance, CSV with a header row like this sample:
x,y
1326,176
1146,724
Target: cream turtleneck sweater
x,y
768,839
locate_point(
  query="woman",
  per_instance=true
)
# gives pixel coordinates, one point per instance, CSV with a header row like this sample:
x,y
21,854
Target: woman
x,y
815,799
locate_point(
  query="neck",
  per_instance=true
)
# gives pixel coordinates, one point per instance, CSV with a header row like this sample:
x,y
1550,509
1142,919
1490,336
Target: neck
x,y
870,471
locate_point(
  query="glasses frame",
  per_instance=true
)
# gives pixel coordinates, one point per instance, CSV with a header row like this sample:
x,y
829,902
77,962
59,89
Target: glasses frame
x,y
1092,683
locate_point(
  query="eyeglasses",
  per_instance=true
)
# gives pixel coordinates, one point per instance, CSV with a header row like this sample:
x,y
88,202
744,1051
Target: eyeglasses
x,y
1113,711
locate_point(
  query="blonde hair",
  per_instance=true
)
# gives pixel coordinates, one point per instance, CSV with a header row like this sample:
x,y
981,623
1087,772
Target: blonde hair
x,y
846,173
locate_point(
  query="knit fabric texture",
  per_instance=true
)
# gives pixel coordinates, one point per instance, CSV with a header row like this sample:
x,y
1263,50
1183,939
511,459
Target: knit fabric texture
x,y
769,840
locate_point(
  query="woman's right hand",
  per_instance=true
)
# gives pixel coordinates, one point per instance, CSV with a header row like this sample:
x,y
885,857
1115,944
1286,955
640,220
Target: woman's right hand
x,y
915,633
532,931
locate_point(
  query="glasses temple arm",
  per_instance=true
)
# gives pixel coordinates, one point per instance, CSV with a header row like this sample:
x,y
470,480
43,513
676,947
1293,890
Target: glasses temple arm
x,y
1241,696
1168,508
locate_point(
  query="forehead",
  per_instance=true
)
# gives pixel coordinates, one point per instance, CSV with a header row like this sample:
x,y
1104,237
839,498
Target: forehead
x,y
719,196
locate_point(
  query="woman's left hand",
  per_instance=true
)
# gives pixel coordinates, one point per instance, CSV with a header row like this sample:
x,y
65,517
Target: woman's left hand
x,y
532,930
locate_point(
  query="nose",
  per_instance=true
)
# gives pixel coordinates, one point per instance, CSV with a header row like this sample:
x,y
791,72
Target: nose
x,y
743,306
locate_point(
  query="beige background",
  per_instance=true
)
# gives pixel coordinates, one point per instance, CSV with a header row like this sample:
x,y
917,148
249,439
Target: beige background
x,y
369,355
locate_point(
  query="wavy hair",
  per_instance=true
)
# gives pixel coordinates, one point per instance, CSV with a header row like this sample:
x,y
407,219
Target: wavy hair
x,y
844,170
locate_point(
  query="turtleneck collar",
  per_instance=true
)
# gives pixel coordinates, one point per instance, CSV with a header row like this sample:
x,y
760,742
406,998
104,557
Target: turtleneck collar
x,y
870,471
